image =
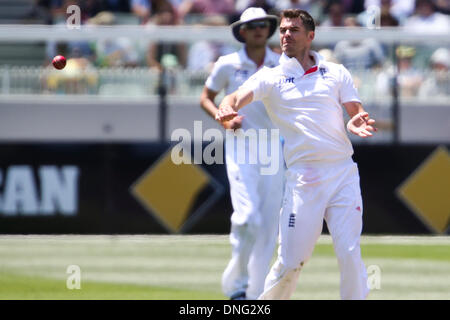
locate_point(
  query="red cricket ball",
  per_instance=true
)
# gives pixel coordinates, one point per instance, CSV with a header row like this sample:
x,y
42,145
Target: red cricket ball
x,y
59,62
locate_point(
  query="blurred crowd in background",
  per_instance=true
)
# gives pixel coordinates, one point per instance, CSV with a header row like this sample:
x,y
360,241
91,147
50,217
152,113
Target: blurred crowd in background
x,y
413,64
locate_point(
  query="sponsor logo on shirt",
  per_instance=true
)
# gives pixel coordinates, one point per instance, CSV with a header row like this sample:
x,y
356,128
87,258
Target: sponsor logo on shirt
x,y
241,75
322,71
285,80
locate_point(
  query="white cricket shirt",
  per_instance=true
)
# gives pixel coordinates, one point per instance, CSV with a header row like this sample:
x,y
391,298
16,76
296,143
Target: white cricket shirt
x,y
230,72
306,106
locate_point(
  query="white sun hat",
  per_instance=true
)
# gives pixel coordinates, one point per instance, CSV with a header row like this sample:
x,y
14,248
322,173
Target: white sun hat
x,y
441,56
252,14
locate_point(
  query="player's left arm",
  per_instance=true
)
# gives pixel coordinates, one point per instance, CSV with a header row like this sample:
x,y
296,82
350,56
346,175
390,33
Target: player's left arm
x,y
230,105
360,123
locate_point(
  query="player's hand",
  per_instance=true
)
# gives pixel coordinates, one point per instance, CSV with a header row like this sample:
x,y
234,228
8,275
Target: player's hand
x,y
225,113
234,124
361,125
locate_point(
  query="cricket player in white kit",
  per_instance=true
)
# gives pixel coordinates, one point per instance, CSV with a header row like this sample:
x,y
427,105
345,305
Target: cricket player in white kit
x,y
304,97
256,198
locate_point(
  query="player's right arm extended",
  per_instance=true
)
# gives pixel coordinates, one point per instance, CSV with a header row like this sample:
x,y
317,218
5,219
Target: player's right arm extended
x,y
230,105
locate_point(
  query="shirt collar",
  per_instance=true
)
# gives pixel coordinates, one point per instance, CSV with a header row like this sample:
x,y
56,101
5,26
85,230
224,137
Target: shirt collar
x,y
292,66
269,58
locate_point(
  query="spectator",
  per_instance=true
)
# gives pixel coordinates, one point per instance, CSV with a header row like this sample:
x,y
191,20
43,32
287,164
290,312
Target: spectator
x,y
202,54
314,7
90,8
40,11
163,13
152,9
328,55
438,82
400,9
426,19
176,3
141,9
294,4
114,52
386,16
388,20
241,5
58,9
358,54
443,6
207,7
334,11
409,78
351,22
78,77
353,6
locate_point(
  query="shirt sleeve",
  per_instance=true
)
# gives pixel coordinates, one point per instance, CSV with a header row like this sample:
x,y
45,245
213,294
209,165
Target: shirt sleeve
x,y
347,90
259,84
217,80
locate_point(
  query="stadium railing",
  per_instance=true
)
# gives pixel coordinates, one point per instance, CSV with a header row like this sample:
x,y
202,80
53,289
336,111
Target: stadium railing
x,y
142,83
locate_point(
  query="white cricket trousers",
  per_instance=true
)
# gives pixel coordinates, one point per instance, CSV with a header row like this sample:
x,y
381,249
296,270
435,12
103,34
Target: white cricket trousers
x,y
315,192
256,201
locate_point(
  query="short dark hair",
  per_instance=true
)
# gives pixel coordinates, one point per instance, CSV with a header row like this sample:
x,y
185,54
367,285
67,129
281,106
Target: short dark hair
x,y
308,21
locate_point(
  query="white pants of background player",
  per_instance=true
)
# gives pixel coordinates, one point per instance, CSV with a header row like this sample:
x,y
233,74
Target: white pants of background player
x,y
313,193
256,201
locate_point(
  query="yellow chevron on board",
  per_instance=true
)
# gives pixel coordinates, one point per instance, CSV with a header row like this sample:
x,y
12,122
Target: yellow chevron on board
x,y
427,190
169,191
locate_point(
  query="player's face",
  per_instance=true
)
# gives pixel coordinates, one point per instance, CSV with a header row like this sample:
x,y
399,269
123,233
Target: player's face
x,y
294,38
256,32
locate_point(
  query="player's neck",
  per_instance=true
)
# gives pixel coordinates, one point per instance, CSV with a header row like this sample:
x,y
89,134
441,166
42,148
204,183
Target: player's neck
x,y
256,54
305,59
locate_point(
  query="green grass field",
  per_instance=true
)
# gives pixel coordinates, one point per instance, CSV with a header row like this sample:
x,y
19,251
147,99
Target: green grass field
x,y
190,267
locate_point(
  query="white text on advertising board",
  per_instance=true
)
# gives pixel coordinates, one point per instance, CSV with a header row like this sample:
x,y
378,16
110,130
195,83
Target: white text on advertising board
x,y
47,191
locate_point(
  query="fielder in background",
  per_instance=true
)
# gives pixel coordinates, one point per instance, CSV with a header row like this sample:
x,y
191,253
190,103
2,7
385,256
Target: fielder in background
x,y
303,97
256,198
